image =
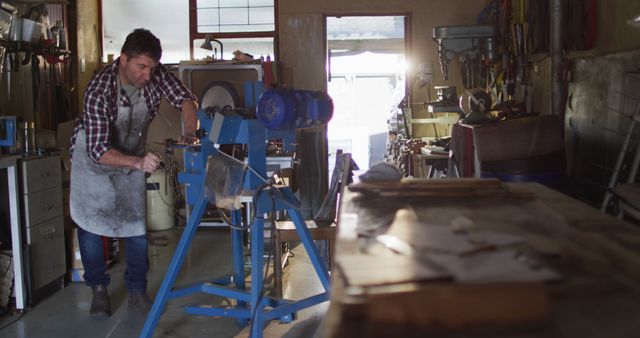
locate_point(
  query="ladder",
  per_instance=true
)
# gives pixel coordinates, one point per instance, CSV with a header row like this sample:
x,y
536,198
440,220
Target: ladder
x,y
635,118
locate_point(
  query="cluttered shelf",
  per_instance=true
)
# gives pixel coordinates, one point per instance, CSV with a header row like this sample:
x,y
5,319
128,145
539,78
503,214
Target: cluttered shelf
x,y
42,49
477,256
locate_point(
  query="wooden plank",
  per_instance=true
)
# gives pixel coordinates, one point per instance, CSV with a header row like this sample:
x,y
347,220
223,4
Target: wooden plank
x,y
484,307
446,188
415,183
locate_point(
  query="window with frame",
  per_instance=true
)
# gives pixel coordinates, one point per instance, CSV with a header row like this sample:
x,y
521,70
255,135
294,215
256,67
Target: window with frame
x,y
181,26
166,19
246,25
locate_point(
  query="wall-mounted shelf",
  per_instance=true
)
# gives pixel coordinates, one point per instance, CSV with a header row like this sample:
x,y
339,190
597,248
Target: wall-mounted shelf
x,y
64,2
23,46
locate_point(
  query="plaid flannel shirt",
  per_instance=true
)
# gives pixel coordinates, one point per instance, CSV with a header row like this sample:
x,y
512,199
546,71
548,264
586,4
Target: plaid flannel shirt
x,y
101,109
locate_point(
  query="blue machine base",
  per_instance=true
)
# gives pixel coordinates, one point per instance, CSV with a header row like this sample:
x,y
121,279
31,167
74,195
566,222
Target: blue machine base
x,y
253,306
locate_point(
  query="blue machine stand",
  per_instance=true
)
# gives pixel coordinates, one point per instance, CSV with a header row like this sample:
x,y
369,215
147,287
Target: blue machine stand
x,y
252,305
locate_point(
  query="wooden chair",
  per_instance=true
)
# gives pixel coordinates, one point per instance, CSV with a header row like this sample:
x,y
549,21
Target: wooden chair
x,y
321,228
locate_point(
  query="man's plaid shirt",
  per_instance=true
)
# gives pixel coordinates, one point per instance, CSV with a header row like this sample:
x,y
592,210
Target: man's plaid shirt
x,y
101,110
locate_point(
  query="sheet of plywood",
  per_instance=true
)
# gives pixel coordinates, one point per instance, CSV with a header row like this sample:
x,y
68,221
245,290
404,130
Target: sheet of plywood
x,y
443,188
424,235
372,270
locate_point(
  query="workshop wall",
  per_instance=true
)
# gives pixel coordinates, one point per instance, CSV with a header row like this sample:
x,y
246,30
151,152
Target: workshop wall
x,y
88,50
301,52
601,98
302,45
16,98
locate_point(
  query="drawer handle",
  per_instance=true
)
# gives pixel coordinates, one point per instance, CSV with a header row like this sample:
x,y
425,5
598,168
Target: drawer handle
x,y
45,174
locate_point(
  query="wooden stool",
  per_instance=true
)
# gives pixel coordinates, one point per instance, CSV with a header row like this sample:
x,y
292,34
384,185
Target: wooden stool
x,y
285,232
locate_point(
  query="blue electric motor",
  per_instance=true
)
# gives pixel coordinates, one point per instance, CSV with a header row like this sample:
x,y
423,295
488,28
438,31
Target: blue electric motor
x,y
291,109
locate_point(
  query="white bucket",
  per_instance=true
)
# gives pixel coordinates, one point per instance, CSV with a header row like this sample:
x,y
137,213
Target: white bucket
x,y
160,202
32,31
15,33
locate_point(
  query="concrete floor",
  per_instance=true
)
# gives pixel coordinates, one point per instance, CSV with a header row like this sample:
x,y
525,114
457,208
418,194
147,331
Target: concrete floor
x,y
65,313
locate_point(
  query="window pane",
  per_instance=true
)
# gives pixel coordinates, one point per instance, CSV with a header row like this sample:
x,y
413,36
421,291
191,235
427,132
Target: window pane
x,y
253,3
207,3
246,28
262,15
208,17
236,16
234,3
355,28
208,29
167,19
254,46
233,16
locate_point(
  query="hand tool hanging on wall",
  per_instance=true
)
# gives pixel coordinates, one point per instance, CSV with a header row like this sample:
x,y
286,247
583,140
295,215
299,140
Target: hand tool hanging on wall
x,y
35,85
9,67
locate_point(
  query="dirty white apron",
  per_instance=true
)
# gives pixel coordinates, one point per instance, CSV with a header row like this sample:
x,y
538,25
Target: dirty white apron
x,y
112,201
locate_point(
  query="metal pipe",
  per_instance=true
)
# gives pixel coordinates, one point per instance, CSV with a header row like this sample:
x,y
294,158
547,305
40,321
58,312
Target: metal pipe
x,y
557,92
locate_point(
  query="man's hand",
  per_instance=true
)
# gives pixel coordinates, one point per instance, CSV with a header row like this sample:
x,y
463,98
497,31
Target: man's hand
x,y
190,140
189,122
150,162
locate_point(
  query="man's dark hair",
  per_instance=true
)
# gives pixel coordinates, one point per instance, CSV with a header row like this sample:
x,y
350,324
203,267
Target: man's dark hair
x,y
142,41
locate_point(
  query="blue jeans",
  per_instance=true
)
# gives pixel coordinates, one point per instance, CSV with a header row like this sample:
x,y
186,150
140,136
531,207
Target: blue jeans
x,y
95,268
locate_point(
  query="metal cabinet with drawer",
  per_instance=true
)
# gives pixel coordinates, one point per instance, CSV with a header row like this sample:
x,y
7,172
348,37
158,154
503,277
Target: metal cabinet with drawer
x,y
42,219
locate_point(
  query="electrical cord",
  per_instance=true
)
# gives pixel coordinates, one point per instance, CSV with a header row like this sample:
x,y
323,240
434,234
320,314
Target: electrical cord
x,y
246,165
267,187
12,322
167,203
230,223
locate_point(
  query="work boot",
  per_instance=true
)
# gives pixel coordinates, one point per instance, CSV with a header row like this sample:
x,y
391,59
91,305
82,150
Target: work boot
x,y
100,304
139,302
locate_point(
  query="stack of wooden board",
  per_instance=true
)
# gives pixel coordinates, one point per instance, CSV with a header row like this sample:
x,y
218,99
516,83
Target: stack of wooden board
x,y
381,290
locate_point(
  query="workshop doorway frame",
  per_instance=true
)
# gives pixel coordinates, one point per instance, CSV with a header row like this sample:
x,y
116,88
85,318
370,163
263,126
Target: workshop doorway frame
x,y
366,78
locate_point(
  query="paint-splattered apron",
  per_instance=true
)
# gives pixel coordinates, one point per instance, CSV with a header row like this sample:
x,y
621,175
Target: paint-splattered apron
x,y
112,201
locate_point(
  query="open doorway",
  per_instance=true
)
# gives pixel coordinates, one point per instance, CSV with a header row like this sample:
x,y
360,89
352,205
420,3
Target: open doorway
x,y
366,80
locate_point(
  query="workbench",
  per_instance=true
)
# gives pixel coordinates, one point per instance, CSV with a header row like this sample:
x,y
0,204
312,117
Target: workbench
x,y
533,146
584,266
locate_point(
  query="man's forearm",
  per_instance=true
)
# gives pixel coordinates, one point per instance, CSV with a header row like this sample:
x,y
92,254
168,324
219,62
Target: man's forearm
x,y
116,158
189,118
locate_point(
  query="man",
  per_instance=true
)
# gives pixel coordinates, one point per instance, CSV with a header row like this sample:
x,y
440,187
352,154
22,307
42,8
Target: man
x,y
108,188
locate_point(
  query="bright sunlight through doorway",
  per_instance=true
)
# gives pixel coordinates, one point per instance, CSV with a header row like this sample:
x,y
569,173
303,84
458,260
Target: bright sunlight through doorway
x,y
366,72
